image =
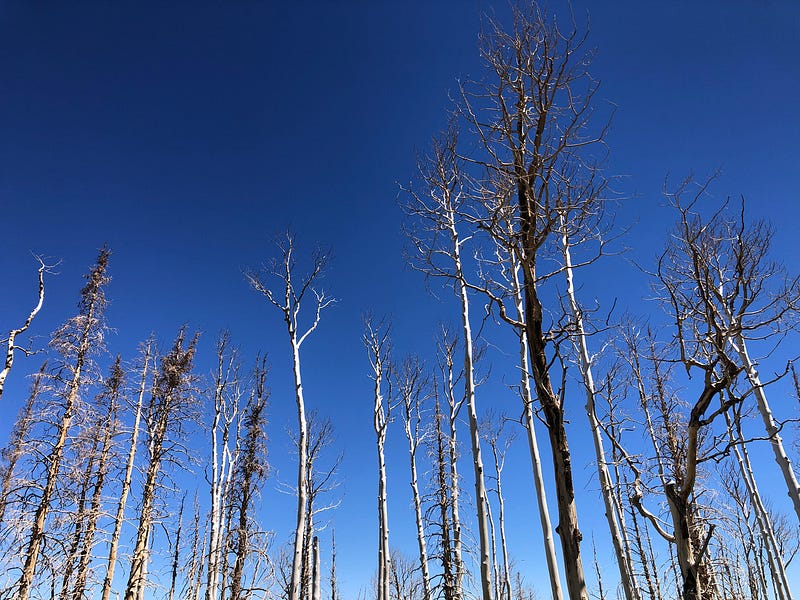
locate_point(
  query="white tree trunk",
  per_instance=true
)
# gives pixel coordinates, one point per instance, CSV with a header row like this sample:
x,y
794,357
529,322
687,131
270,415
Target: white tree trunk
x,y
302,483
455,489
776,566
627,580
469,391
316,592
533,445
126,482
412,437
776,442
10,341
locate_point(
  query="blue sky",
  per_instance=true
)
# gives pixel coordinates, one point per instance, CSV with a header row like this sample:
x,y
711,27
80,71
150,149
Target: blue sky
x,y
187,134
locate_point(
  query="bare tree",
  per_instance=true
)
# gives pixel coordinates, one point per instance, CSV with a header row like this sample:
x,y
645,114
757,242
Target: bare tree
x,y
321,480
439,512
251,470
119,517
16,448
499,443
532,119
446,354
11,340
226,396
75,341
376,340
168,409
288,300
713,276
107,425
176,553
438,244
333,581
411,383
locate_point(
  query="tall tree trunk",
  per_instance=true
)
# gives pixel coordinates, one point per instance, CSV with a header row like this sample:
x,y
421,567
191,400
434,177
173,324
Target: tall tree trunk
x,y
776,567
89,320
452,451
316,592
376,340
613,519
410,390
469,393
226,407
334,584
127,479
533,444
553,410
302,483
80,514
164,411
441,456
764,409
176,553
112,396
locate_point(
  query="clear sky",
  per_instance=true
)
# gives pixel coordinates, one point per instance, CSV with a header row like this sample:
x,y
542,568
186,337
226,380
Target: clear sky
x,y
187,134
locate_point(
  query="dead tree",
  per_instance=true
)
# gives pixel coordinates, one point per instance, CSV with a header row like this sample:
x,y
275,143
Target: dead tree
x,y
446,356
333,582
321,481
376,340
75,340
107,424
176,553
127,479
16,448
410,384
288,299
439,512
532,119
226,396
499,443
251,471
714,277
437,213
165,415
10,342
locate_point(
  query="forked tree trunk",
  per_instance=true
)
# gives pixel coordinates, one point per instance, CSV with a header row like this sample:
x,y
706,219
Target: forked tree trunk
x,y
291,298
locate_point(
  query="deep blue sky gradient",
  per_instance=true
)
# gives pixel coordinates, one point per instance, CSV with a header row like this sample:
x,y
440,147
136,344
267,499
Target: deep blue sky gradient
x,y
187,134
